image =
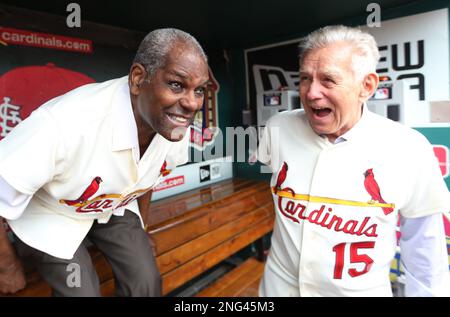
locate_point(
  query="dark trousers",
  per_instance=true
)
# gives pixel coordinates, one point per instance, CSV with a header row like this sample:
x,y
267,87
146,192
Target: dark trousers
x,y
125,245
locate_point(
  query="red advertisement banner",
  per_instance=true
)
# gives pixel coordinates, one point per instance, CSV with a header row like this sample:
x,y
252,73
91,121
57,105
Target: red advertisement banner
x,y
44,40
169,183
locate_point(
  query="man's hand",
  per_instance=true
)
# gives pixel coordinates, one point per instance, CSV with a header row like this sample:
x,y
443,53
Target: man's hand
x,y
12,278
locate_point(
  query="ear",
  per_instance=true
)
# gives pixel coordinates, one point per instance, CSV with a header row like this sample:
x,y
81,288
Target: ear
x,y
368,86
136,78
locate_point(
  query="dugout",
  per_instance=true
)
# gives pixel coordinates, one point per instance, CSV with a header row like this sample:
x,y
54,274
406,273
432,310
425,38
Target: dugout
x,y
251,46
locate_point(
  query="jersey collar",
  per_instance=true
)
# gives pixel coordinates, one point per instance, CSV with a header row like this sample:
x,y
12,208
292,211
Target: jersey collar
x,y
358,130
124,128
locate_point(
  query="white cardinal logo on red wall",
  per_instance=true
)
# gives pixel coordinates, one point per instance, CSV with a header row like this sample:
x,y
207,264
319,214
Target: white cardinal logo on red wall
x,y
23,89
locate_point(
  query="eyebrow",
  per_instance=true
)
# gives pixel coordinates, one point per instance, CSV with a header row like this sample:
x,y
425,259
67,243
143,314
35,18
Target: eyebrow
x,y
186,77
329,73
174,72
332,74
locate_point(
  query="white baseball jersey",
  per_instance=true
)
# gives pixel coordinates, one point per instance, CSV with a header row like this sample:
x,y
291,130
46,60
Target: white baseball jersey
x,y
78,156
337,204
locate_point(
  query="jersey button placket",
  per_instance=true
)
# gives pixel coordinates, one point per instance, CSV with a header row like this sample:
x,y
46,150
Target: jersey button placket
x,y
310,247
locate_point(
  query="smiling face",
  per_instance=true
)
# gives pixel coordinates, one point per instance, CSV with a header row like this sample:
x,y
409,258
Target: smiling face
x,y
330,91
166,103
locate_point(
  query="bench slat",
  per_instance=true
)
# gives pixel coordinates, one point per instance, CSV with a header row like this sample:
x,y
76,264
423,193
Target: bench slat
x,y
243,281
178,256
205,220
175,206
242,194
200,264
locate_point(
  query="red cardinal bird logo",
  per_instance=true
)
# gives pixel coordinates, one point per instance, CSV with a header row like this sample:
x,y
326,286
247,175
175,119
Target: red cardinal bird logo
x,y
281,177
373,189
164,171
280,180
88,192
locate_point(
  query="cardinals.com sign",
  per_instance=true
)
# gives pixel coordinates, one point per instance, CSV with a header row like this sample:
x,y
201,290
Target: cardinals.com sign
x,y
10,36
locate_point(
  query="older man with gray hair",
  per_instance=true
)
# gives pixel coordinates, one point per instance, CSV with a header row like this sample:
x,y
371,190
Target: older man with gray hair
x,y
343,176
74,169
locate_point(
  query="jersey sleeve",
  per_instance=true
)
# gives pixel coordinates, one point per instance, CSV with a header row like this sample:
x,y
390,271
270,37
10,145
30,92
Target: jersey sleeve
x,y
424,256
29,154
12,202
428,193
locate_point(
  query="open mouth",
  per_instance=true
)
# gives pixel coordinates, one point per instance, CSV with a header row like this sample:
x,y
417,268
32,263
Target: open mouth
x,y
178,120
321,112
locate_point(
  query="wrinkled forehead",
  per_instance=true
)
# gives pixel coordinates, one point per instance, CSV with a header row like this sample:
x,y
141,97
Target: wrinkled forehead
x,y
181,48
187,64
315,64
333,58
186,53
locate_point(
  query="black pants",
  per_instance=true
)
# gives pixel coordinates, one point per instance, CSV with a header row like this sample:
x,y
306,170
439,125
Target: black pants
x,y
127,249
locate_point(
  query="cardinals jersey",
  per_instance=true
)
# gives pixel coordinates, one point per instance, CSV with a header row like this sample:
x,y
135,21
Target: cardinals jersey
x,y
78,156
337,204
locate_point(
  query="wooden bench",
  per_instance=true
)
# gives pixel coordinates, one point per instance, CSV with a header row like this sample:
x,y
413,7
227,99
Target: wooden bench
x,y
194,231
243,281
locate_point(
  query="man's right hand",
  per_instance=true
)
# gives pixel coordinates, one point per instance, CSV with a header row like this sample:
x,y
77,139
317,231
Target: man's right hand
x,y
12,278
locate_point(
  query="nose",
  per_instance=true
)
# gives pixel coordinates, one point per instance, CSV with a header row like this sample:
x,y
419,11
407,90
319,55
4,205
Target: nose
x,y
314,90
191,102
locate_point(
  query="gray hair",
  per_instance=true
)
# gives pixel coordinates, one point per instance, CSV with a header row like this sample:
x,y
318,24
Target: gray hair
x,y
364,44
153,50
